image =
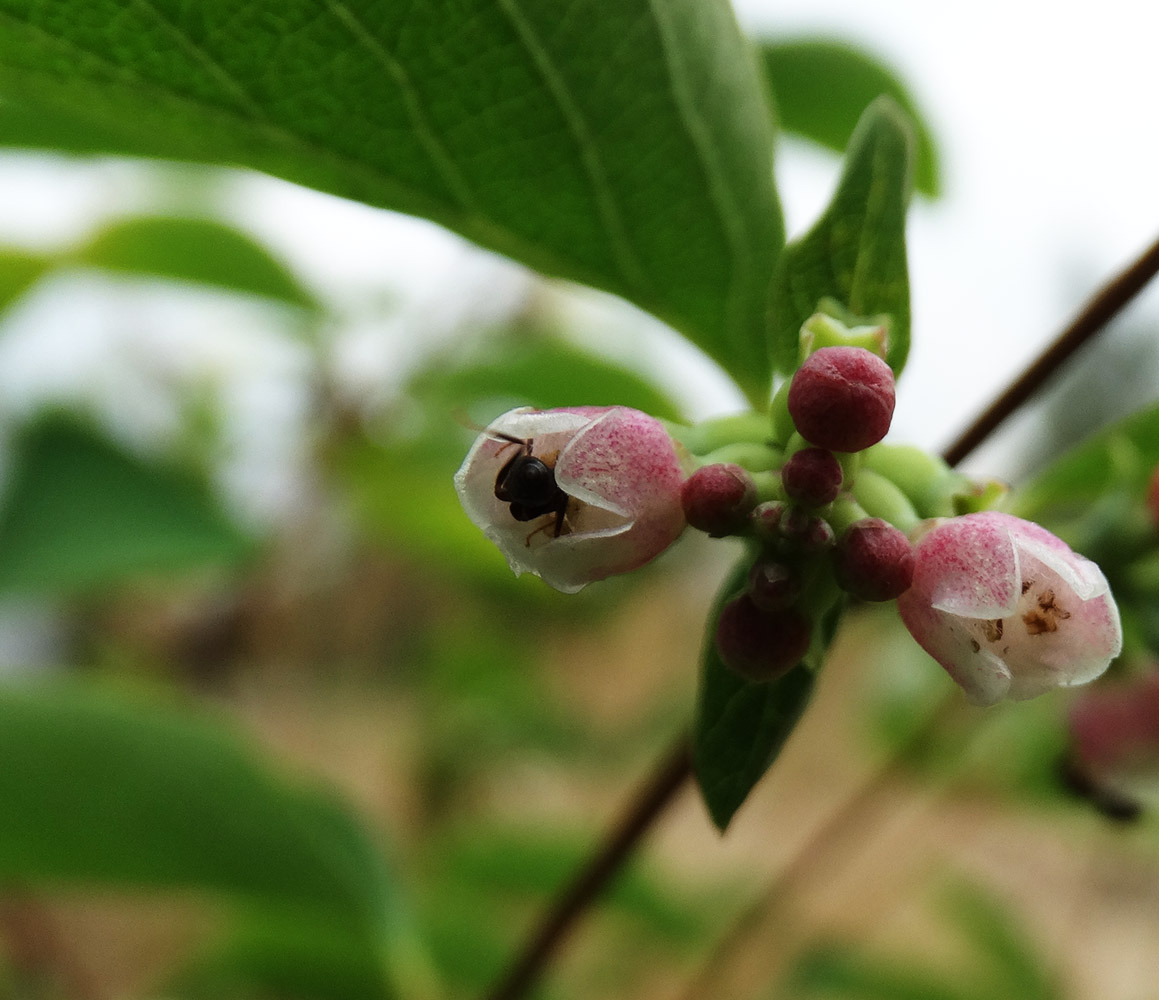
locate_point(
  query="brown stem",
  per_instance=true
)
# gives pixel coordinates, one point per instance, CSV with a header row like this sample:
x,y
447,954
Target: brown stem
x,y
857,814
1098,311
669,775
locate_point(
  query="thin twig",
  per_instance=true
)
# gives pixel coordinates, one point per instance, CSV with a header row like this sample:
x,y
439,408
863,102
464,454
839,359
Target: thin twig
x,y
856,814
669,775
675,768
1095,315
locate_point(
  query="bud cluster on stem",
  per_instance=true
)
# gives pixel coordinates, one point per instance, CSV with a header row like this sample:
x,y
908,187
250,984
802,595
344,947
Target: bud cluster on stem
x,y
578,494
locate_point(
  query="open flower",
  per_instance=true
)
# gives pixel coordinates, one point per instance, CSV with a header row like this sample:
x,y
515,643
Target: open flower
x,y
574,495
1008,609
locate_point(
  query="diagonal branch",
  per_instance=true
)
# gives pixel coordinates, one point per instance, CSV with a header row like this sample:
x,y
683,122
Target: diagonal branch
x,y
1108,302
668,777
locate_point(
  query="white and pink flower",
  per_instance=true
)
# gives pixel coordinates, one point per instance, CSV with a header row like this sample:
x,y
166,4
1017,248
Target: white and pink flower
x,y
602,498
1008,609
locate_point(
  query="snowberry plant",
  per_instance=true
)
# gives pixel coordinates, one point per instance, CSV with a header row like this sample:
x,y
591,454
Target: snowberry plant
x,y
629,145
830,514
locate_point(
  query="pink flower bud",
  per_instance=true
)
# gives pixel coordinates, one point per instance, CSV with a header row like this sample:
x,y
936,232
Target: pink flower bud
x,y
1114,745
873,560
1008,609
761,645
1153,498
813,477
574,495
842,398
719,498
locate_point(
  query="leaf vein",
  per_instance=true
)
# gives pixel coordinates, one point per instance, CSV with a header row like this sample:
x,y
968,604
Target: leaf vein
x,y
440,156
610,218
727,209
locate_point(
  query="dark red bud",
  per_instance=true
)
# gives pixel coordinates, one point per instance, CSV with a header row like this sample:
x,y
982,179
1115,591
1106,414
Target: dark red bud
x,y
813,477
719,498
773,586
842,398
873,560
761,645
807,532
766,520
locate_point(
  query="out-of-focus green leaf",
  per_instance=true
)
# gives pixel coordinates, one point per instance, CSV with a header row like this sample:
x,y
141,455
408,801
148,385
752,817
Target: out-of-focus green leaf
x,y
294,960
19,270
622,143
821,87
519,863
855,253
1007,956
198,250
1120,458
79,512
844,973
740,725
122,793
404,497
542,371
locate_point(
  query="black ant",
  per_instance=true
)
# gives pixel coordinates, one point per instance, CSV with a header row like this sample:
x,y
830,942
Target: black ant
x,y
528,484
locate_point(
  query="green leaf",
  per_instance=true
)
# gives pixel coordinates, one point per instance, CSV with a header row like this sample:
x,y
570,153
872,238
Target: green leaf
x,y
123,793
622,143
80,513
197,250
740,726
1121,457
840,971
1006,955
19,270
821,87
855,253
543,371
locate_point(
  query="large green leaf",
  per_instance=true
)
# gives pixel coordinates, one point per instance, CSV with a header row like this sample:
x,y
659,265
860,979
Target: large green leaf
x,y
740,725
855,253
197,250
79,512
623,143
124,793
821,87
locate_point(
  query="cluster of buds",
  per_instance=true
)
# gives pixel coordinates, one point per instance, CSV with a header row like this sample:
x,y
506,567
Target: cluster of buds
x,y
579,494
813,536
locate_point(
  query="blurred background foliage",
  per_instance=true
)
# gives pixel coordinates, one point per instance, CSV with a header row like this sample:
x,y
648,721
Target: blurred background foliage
x,y
325,746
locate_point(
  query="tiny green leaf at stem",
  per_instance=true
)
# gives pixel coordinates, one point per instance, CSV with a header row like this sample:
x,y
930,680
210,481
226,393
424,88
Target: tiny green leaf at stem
x,y
855,253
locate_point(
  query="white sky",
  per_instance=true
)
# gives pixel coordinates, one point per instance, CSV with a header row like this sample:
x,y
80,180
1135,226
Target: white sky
x,y
1046,121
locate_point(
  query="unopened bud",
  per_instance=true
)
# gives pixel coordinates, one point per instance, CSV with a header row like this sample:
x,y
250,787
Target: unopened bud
x,y
761,645
766,520
719,498
842,398
873,560
806,532
773,586
812,477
